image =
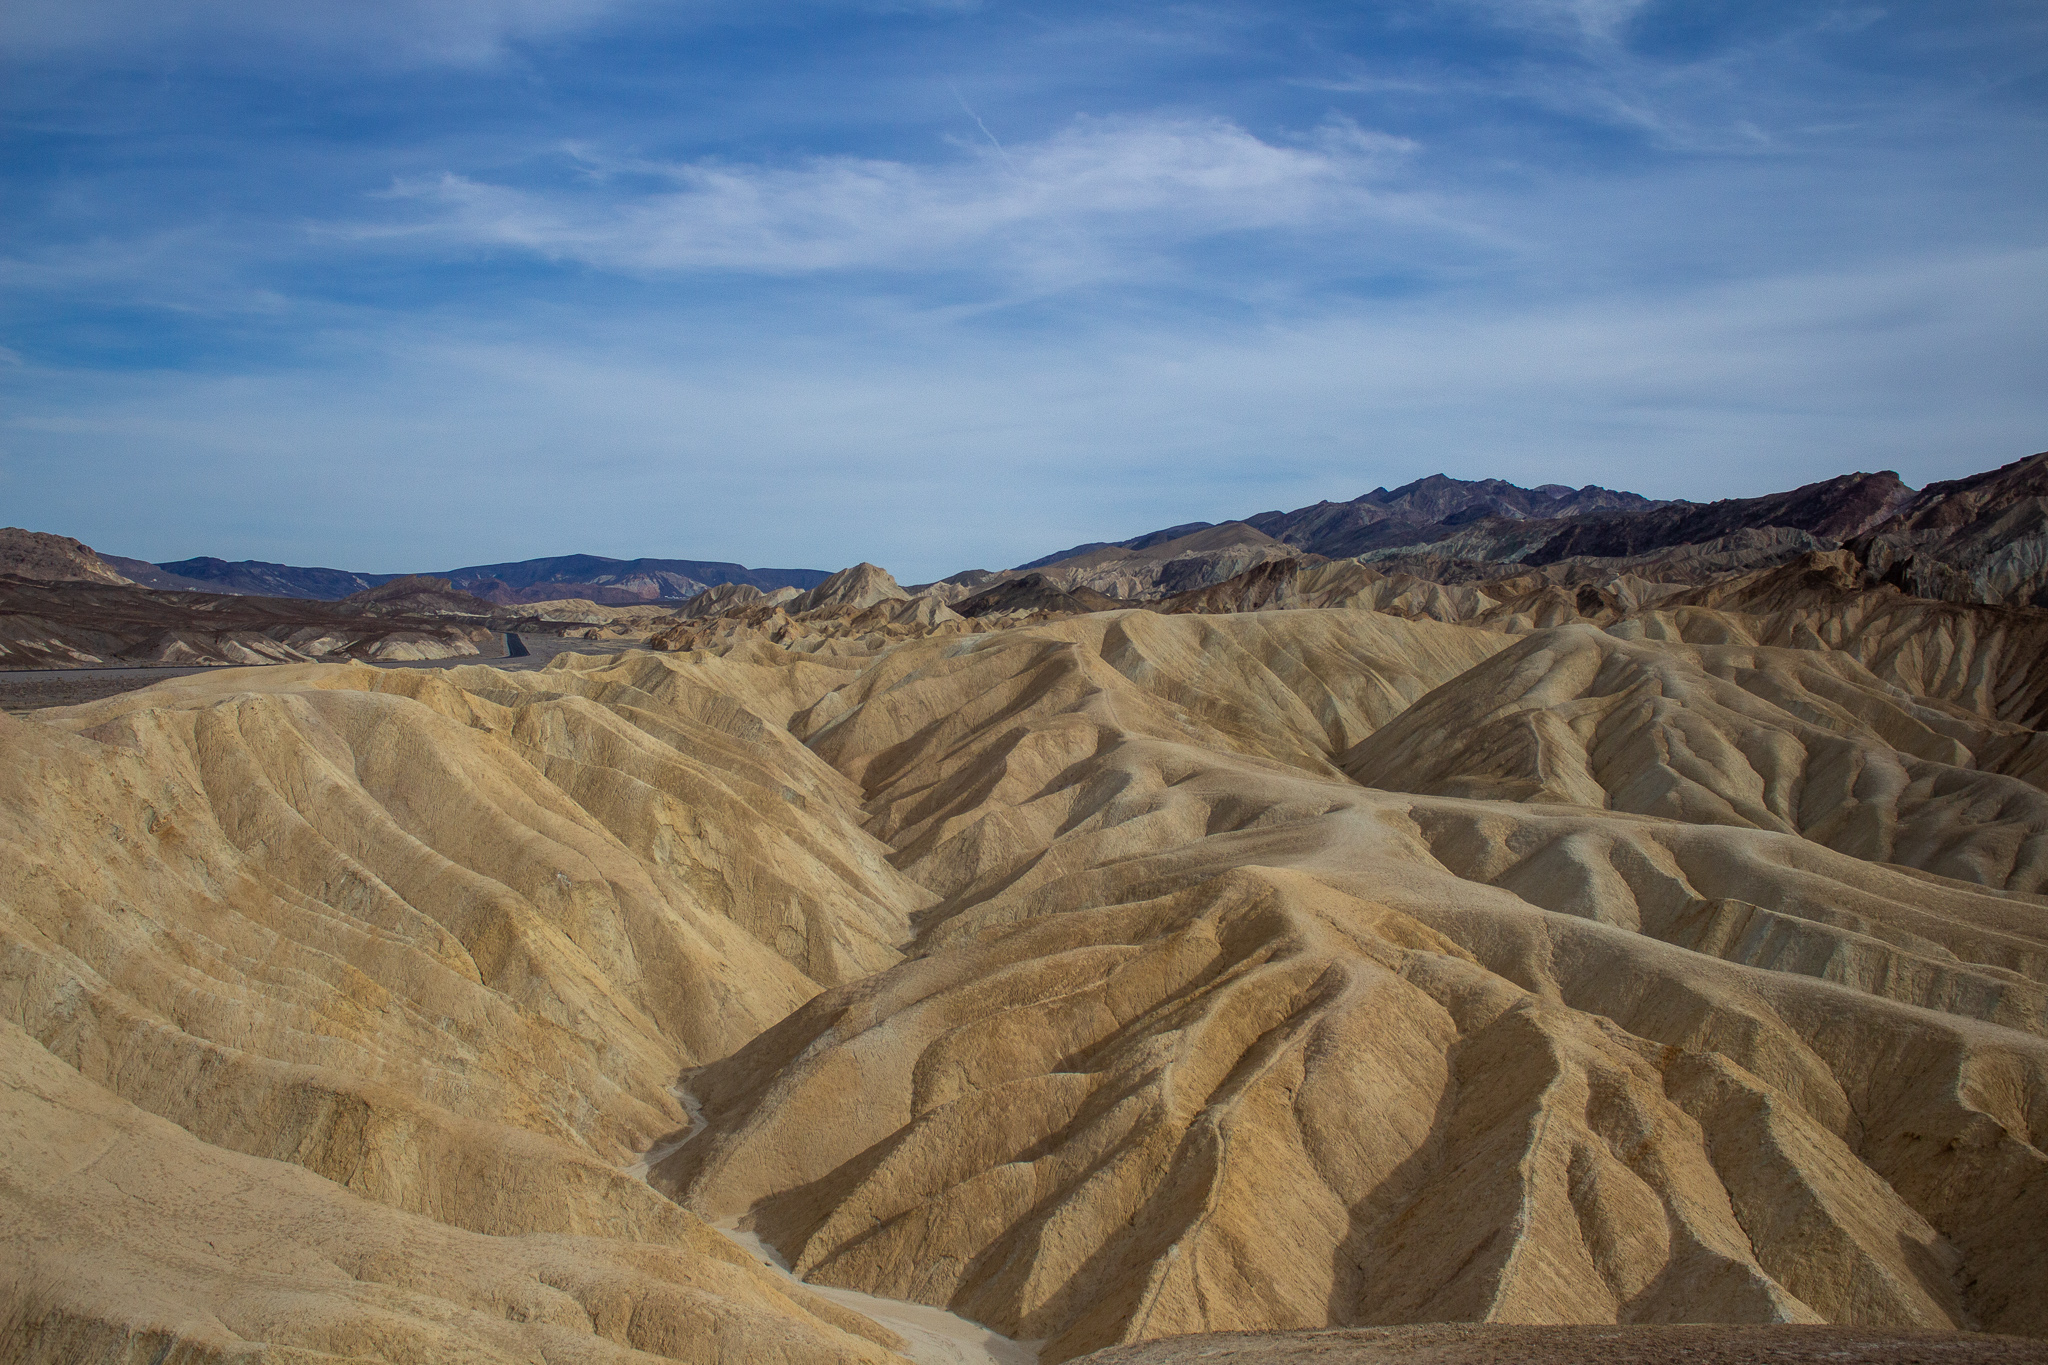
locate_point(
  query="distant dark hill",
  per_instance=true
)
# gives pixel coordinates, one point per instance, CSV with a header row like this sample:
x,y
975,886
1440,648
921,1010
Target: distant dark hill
x,y
418,595
1979,539
1196,554
1144,542
147,575
1434,508
646,578
616,582
88,625
1427,509
1834,509
255,577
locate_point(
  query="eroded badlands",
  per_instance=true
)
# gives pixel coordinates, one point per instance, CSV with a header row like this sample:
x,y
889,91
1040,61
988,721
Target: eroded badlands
x,y
1102,980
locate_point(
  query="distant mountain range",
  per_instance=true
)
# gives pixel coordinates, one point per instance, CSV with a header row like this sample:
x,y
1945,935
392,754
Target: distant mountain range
x,y
1387,516
1983,538
611,582
1978,539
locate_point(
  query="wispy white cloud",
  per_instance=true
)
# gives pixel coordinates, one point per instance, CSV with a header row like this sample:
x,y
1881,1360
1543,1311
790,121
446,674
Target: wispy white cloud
x,y
1583,60
374,32
780,357
1582,21
1060,208
722,441
461,32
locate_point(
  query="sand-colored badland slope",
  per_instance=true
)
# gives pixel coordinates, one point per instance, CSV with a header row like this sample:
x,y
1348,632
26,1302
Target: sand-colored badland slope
x,y
1801,741
1604,1344
1065,975
445,940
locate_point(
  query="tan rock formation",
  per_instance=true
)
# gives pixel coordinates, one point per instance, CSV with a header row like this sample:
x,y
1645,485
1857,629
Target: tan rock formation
x,y
128,1238
1157,570
1486,1344
418,595
1202,1037
1801,741
1102,978
860,609
442,939
721,598
857,588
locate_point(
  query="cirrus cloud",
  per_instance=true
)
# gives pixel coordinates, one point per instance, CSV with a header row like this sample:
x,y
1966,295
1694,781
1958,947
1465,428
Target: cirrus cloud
x,y
403,32
1057,209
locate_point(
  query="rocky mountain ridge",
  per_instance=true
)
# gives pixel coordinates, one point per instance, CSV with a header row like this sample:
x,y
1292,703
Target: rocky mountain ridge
x,y
1978,539
1981,538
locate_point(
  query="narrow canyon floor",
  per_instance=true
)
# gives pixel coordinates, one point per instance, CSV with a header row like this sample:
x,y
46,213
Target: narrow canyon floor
x,y
1101,982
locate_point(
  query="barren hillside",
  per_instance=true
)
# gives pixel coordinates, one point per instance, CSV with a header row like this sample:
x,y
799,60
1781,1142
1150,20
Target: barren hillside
x,y
1102,978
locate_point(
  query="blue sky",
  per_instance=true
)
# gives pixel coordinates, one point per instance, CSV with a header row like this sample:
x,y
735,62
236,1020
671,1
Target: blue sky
x,y
401,285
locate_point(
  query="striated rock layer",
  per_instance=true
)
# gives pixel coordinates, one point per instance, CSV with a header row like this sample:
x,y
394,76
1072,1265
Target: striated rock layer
x,y
1103,979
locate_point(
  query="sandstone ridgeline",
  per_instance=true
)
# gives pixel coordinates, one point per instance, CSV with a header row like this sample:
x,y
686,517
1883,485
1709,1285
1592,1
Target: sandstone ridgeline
x,y
1318,947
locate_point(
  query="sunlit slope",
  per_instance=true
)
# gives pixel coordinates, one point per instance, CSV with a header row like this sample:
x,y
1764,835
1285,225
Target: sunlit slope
x,y
1989,660
126,1238
1800,741
1068,975
1205,1035
444,939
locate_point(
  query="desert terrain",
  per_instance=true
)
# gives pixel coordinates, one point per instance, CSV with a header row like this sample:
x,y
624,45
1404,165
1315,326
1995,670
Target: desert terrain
x,y
1237,953
1483,1344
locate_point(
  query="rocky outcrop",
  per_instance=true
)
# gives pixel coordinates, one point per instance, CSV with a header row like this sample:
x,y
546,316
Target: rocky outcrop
x,y
45,558
858,588
1980,539
1035,592
1158,566
724,597
960,586
861,608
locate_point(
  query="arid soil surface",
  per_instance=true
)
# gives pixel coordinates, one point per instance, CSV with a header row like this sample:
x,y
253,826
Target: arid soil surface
x,y
1490,1344
23,690
34,689
1100,979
